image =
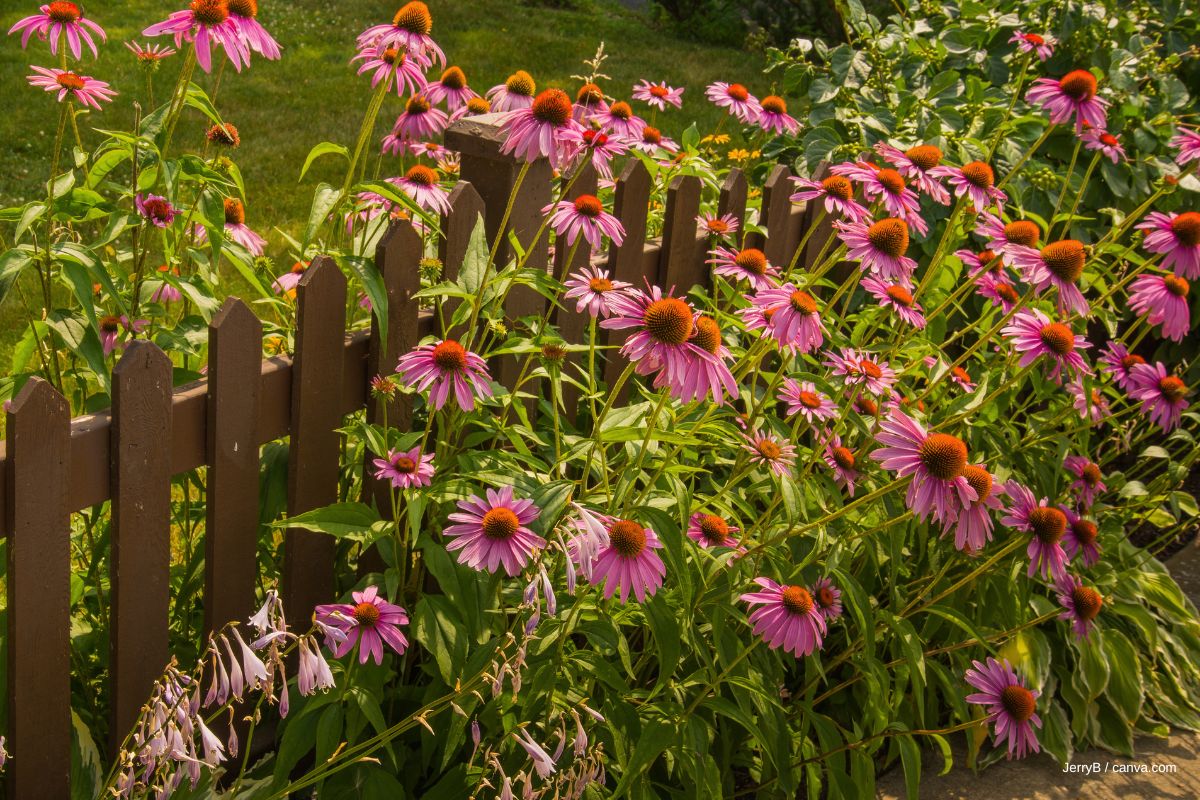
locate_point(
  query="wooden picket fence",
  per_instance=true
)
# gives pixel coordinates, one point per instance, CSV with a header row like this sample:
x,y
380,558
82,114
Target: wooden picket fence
x,y
52,465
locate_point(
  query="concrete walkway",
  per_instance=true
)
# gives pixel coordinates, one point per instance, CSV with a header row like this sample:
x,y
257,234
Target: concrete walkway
x,y
1162,769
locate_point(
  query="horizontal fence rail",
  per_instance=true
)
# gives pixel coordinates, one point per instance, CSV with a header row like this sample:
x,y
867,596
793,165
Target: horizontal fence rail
x,y
52,466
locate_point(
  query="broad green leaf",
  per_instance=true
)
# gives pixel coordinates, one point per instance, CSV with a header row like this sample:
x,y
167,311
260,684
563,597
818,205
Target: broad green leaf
x,y
323,149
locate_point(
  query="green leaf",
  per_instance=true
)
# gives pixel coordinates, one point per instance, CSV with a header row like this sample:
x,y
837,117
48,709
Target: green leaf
x,y
474,270
324,149
372,283
12,264
329,732
656,737
340,520
325,198
198,99
665,625
1125,688
910,759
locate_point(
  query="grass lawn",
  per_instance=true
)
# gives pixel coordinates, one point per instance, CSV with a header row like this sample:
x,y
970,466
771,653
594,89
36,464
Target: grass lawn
x,y
283,108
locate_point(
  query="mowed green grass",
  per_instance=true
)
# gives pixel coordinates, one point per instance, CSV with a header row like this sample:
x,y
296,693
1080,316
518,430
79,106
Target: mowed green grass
x,y
312,95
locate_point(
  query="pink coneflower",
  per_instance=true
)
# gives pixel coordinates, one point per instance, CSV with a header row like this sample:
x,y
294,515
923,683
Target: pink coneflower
x,y
1001,235
451,87
408,31
205,23
790,316
420,120
708,376
1089,482
770,451
593,291
652,141
83,88
900,201
1163,299
838,193
544,129
773,117
896,295
515,93
602,149
369,622
880,248
975,180
973,528
663,339
983,261
445,365
1071,97
916,164
658,95
166,292
421,184
1081,538
244,14
1046,523
936,461
111,327
1118,362
1081,605
155,209
1035,335
1043,46
1093,405
828,597
997,289
736,99
405,470
1187,142
1104,142
618,119
842,461
492,532
150,55
288,281
237,230
429,149
628,562
857,367
710,530
749,264
1178,237
1163,396
584,215
1058,264
1010,705
408,73
722,227
788,617
803,398
60,20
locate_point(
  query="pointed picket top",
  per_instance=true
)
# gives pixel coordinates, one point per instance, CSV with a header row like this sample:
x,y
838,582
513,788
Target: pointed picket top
x,y
631,204
734,191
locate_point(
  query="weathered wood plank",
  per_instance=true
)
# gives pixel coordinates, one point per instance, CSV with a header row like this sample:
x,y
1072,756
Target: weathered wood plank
x,y
39,594
140,562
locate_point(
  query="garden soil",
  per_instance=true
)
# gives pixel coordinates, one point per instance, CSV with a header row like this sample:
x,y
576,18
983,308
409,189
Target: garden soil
x,y
1041,778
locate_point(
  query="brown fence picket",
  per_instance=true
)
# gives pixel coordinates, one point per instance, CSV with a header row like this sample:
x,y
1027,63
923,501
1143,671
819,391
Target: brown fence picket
x,y
631,204
314,454
466,207
232,515
677,266
776,216
815,214
732,200
140,563
39,593
398,259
